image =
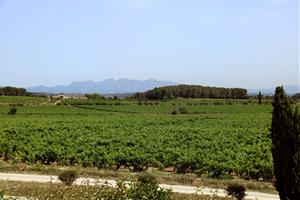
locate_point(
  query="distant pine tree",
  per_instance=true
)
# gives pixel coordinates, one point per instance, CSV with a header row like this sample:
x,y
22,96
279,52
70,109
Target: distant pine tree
x,y
285,132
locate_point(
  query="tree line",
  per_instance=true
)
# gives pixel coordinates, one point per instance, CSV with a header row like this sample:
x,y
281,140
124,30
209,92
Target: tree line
x,y
192,91
12,91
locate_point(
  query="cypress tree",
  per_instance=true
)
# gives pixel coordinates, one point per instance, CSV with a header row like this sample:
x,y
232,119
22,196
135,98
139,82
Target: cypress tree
x,y
285,133
259,98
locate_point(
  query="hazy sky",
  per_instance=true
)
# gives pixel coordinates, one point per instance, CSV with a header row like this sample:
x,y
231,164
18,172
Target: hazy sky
x,y
242,43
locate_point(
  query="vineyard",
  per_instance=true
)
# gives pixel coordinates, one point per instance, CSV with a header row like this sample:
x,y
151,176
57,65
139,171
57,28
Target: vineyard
x,y
215,138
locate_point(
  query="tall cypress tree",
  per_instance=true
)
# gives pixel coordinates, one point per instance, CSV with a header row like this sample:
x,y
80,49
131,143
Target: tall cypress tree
x,y
285,133
259,98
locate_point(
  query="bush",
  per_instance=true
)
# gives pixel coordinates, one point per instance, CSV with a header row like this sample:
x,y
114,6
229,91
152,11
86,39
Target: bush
x,y
182,110
68,177
174,112
1,194
147,178
237,191
218,103
122,191
147,191
12,111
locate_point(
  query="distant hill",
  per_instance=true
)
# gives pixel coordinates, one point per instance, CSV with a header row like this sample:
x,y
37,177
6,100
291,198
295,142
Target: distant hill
x,y
289,89
108,86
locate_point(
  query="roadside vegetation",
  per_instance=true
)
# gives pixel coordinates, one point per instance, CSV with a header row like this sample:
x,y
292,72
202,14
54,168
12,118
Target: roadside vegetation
x,y
162,177
59,191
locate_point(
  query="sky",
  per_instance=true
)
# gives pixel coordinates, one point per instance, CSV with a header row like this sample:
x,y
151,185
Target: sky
x,y
232,43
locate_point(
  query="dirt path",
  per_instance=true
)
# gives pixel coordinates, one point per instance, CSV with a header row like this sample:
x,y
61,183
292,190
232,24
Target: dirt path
x,y
175,188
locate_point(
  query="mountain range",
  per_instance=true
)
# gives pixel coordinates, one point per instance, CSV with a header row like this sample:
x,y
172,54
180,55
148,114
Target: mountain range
x,y
289,89
121,86
108,86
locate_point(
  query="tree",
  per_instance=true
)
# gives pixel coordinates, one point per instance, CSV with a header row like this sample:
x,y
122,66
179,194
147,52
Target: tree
x,y
286,147
192,91
259,98
12,91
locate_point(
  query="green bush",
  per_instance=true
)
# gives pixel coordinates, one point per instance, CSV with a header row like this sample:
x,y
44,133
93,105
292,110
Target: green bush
x,y
147,178
12,111
148,191
68,177
122,191
182,110
236,191
1,194
174,111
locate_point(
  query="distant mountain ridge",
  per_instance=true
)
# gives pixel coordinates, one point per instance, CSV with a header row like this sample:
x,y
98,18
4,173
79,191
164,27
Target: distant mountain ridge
x,y
108,86
121,86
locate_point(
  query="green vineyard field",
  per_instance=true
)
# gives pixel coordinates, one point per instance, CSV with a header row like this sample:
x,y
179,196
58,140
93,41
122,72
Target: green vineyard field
x,y
215,138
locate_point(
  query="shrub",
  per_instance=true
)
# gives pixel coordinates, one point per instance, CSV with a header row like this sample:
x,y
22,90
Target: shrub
x,y
12,111
68,177
236,191
174,112
148,191
122,191
1,194
218,103
182,110
147,178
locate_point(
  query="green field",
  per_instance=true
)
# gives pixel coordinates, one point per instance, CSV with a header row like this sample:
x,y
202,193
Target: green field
x,y
216,138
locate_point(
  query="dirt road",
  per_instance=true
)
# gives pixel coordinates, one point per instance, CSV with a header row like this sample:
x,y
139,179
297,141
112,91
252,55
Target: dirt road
x,y
175,188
